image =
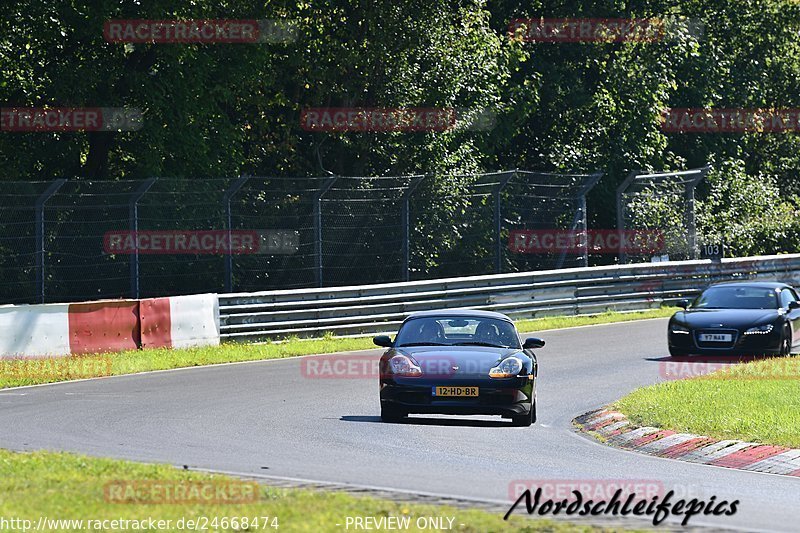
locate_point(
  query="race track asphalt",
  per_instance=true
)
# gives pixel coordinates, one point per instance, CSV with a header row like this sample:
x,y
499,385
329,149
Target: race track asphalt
x,y
267,418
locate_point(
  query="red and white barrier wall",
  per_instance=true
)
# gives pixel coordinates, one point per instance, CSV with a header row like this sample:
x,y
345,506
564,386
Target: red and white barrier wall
x,y
180,322
108,326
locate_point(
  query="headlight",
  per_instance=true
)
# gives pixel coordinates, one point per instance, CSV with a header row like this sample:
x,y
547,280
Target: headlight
x,y
508,368
759,330
404,366
679,329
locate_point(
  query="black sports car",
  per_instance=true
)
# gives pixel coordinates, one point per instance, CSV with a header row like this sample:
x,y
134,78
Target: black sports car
x,y
458,362
743,318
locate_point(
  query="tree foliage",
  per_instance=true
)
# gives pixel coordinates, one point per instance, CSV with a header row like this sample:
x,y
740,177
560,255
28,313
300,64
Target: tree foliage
x,y
227,109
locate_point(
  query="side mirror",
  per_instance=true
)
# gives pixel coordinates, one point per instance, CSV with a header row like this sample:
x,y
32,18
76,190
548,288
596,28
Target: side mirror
x,y
382,340
533,342
684,304
794,305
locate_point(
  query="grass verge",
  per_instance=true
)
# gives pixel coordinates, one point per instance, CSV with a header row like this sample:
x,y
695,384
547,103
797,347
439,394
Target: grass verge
x,y
62,486
757,401
16,373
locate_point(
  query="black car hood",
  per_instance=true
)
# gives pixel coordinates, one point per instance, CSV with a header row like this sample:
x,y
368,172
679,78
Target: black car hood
x,y
728,318
469,360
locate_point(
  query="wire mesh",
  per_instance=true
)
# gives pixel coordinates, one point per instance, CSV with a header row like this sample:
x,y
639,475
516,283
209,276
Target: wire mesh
x,y
663,205
76,219
451,228
192,208
362,240
276,204
18,249
551,205
139,238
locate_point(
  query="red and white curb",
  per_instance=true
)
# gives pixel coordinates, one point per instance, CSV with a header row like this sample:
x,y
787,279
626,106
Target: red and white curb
x,y
616,430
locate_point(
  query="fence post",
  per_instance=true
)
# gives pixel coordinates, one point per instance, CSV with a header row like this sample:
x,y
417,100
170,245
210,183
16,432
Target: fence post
x,y
318,225
133,224
593,179
406,225
691,223
623,257
227,197
498,222
39,210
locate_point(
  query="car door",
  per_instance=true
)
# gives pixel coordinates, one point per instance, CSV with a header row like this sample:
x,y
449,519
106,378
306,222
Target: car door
x,y
787,297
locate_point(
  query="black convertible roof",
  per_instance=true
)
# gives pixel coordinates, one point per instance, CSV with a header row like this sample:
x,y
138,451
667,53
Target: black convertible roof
x,y
459,312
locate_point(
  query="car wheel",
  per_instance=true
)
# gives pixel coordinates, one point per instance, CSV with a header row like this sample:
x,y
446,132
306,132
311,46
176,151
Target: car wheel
x,y
392,414
677,352
526,419
786,342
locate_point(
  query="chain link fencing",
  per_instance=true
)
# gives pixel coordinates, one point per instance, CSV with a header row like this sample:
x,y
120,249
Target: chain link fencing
x,y
72,240
663,204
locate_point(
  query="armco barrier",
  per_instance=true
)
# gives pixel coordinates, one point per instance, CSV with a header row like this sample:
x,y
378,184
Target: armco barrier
x,y
108,326
380,308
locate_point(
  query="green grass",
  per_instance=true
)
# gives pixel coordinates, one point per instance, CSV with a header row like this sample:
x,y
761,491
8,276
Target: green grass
x,y
560,322
67,486
755,402
15,373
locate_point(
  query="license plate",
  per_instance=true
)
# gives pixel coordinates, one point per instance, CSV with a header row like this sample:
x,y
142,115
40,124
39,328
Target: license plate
x,y
716,337
456,391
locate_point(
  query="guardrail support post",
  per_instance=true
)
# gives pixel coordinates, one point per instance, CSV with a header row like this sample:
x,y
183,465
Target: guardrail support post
x,y
133,224
406,225
227,197
318,225
498,221
39,209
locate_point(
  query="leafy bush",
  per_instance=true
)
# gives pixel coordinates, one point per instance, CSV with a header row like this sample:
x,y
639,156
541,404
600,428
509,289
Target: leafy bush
x,y
747,213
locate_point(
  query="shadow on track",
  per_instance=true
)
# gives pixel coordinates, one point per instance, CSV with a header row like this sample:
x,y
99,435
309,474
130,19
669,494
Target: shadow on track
x,y
420,421
729,359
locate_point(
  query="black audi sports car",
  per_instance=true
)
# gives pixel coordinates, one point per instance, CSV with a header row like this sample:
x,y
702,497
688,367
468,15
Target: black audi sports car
x,y
739,318
460,363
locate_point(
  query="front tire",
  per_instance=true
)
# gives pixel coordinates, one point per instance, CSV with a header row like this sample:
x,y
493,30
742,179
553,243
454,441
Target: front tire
x,y
526,419
678,352
392,415
786,342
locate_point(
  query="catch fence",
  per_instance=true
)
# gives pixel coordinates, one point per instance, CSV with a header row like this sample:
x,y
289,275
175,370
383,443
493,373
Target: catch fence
x,y
73,240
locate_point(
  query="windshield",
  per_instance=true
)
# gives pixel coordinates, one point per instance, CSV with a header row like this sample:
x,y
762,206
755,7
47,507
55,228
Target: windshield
x,y
737,298
458,331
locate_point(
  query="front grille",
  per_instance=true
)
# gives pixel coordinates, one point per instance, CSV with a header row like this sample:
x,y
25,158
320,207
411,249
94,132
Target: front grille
x,y
418,398
721,345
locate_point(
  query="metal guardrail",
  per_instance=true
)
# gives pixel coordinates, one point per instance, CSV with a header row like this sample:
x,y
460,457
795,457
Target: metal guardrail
x,y
576,291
